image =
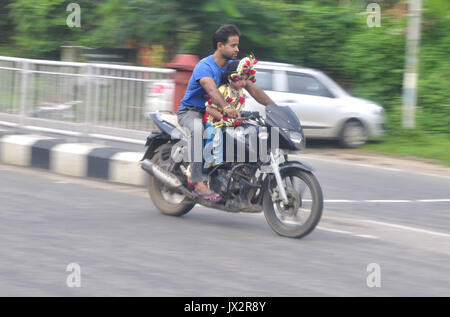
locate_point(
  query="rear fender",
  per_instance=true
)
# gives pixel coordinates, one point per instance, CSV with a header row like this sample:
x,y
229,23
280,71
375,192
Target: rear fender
x,y
154,141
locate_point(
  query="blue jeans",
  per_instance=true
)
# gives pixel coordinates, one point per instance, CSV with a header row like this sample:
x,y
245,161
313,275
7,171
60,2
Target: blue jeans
x,y
214,145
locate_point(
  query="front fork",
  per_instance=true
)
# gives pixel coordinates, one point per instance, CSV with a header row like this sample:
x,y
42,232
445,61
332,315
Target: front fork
x,y
276,171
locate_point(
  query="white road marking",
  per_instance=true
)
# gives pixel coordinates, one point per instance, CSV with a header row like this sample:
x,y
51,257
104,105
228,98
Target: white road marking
x,y
385,201
353,234
65,132
9,124
440,234
342,161
353,163
333,230
347,232
368,236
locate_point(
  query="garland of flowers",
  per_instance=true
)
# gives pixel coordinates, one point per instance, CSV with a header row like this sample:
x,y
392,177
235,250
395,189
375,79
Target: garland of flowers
x,y
236,102
246,67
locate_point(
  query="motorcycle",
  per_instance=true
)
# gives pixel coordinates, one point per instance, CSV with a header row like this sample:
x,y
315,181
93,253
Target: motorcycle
x,y
285,190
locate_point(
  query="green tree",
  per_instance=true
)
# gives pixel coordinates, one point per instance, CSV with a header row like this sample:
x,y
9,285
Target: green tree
x,y
433,113
6,24
40,26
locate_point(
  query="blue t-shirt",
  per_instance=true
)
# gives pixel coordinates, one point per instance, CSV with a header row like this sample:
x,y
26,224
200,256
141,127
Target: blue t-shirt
x,y
195,94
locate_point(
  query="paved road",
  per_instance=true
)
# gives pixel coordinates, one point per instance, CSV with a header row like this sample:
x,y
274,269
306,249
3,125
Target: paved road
x,y
399,220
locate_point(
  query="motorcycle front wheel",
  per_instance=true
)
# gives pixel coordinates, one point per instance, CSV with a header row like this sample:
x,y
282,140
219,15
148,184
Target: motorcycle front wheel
x,y
303,211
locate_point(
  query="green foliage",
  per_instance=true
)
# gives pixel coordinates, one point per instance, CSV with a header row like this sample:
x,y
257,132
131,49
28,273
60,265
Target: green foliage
x,y
375,61
41,25
6,24
434,71
416,144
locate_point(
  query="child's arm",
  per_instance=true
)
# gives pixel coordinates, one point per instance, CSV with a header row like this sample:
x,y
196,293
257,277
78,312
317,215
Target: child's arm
x,y
214,112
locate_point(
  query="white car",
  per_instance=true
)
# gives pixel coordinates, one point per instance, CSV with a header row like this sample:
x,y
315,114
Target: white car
x,y
324,109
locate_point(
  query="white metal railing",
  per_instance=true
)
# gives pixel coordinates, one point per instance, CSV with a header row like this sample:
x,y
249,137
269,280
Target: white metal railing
x,y
99,100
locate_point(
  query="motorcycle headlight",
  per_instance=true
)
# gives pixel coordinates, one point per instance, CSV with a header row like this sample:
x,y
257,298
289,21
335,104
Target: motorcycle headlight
x,y
297,138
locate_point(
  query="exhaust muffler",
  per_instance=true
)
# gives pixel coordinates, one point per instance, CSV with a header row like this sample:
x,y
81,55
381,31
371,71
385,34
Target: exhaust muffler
x,y
164,176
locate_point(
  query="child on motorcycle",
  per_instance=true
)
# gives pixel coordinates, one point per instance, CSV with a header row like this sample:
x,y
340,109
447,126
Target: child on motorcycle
x,y
232,85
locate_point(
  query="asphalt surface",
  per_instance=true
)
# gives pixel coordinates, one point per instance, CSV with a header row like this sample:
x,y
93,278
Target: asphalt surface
x,y
398,219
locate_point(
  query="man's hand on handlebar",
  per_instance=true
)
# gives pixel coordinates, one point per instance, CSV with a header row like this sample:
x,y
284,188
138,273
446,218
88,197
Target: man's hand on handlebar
x,y
249,115
233,113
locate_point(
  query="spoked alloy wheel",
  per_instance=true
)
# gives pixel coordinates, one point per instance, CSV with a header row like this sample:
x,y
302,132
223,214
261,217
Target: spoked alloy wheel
x,y
304,209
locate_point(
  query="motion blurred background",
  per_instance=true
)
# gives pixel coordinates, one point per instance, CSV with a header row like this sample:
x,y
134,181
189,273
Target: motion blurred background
x,y
330,35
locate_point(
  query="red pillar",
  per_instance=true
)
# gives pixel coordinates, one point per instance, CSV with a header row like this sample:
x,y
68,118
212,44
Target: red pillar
x,y
184,65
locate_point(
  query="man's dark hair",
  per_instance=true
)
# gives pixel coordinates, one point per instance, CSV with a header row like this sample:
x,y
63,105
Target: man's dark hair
x,y
223,33
230,69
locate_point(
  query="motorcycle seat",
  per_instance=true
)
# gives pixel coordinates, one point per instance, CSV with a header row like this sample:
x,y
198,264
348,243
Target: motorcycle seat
x,y
172,119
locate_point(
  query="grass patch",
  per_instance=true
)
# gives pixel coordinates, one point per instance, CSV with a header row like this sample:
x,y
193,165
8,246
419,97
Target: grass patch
x,y
414,144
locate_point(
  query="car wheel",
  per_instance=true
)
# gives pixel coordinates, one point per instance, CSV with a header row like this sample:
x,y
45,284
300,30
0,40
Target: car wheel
x,y
353,134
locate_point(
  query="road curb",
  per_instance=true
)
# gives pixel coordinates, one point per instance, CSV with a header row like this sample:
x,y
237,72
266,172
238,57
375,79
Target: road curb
x,y
74,159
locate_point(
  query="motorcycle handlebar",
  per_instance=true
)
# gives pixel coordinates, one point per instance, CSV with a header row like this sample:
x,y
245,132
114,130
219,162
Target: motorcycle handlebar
x,y
249,115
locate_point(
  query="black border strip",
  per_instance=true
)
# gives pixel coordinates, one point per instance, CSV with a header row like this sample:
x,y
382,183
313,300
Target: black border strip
x,y
40,152
98,161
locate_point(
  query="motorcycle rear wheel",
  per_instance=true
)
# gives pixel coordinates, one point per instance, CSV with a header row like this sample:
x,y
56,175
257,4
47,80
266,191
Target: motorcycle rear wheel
x,y
166,200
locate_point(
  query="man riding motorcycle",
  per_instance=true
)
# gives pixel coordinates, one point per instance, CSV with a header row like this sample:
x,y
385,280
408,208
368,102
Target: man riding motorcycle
x,y
202,86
